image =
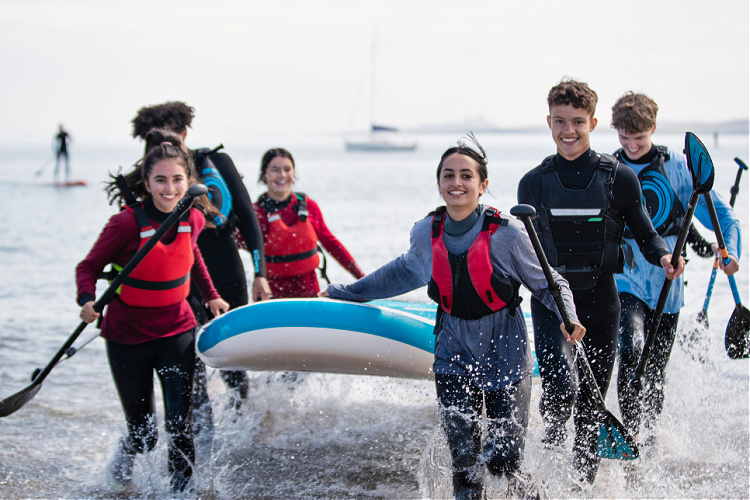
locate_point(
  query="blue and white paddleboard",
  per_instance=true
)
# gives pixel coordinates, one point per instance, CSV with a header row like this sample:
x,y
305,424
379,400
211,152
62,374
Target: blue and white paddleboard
x,y
383,337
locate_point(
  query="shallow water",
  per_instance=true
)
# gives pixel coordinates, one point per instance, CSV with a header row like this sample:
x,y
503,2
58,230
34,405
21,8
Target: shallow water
x,y
326,436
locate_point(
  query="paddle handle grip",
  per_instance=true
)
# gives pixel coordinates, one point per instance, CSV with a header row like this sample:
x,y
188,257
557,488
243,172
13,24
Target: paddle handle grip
x,y
736,187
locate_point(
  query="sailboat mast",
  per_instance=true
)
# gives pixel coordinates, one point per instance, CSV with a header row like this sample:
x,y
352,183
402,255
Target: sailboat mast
x,y
373,79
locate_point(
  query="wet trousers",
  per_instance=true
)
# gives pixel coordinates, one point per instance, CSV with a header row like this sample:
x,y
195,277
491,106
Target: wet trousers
x,y
507,412
635,322
132,367
598,310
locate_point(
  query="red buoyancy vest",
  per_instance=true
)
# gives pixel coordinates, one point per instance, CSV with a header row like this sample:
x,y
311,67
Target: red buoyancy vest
x,y
291,250
162,278
470,278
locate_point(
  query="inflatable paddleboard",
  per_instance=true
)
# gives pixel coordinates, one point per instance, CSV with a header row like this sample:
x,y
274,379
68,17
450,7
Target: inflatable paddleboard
x,y
383,337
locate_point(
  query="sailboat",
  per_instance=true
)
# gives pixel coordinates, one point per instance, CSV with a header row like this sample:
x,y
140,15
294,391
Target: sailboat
x,y
379,137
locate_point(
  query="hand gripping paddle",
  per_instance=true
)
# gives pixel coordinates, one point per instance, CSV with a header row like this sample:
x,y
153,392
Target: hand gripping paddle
x,y
613,440
17,400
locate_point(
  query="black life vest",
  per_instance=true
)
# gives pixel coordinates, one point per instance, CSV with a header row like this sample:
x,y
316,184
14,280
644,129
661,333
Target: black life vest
x,y
664,208
218,190
578,232
468,286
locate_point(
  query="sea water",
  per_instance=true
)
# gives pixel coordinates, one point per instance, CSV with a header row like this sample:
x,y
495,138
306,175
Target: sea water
x,y
327,436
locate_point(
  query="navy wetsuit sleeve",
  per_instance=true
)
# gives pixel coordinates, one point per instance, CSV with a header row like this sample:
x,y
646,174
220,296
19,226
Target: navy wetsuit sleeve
x,y
242,206
629,202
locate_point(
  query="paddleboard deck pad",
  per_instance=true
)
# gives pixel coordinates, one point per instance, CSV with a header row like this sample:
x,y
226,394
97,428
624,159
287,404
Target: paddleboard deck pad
x,y
383,337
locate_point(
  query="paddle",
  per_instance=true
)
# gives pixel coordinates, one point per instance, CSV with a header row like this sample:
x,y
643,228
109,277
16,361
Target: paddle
x,y
702,317
702,171
736,339
44,165
17,400
613,440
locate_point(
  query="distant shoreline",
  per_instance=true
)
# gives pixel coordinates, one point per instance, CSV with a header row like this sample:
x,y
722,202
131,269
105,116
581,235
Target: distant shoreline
x,y
724,128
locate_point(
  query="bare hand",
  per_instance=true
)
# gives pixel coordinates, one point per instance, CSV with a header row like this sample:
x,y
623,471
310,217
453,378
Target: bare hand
x,y
217,306
671,272
578,332
261,290
323,293
730,268
88,315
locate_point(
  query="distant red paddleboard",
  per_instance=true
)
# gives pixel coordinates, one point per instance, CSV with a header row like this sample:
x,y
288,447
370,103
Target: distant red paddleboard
x,y
69,183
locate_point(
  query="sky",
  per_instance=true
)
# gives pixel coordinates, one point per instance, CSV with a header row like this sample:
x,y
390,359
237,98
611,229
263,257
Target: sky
x,y
284,67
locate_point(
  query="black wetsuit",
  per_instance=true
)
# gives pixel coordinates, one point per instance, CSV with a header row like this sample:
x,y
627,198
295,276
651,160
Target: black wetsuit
x,y
598,310
222,258
132,368
62,149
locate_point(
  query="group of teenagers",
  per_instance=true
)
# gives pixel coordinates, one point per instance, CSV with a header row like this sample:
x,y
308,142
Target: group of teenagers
x,y
609,247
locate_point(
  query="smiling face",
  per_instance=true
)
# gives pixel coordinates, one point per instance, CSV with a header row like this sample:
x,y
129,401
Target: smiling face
x,y
279,178
636,145
461,185
570,130
167,183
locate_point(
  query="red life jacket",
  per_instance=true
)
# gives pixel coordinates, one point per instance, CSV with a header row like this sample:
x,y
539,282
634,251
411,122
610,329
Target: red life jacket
x,y
291,250
162,278
468,286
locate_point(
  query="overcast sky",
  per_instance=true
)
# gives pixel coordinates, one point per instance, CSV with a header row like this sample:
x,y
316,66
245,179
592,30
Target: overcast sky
x,y
252,67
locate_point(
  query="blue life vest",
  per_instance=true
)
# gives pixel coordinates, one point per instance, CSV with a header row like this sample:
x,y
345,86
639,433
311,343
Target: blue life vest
x,y
664,208
218,190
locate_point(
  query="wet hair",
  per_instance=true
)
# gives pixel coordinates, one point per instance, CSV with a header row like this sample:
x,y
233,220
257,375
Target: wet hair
x,y
160,145
634,113
268,157
173,115
477,154
574,93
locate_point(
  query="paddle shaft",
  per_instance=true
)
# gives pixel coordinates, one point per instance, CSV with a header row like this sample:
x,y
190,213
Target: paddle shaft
x,y
554,289
656,318
733,190
111,291
16,401
722,245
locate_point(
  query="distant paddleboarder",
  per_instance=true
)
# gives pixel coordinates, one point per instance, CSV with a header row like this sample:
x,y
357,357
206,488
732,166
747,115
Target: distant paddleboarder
x,y
62,139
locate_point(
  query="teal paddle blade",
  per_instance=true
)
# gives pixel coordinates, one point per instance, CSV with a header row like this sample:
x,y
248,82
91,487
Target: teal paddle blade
x,y
613,442
700,164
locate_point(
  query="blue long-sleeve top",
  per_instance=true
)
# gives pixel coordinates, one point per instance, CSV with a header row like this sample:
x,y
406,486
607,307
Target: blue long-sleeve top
x,y
645,280
493,350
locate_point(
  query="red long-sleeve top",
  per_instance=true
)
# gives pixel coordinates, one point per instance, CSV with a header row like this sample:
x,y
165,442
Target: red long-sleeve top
x,y
117,243
305,285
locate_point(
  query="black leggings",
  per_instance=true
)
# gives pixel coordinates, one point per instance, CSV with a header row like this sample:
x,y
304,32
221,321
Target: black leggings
x,y
598,310
132,368
507,420
634,324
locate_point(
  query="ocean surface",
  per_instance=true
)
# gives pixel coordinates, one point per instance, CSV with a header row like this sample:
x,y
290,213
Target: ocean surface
x,y
328,436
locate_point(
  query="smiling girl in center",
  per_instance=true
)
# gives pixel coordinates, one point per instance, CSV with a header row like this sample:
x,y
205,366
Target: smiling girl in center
x,y
473,260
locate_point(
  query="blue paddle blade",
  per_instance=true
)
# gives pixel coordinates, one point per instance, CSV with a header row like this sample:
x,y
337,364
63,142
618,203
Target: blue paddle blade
x,y
613,442
700,164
